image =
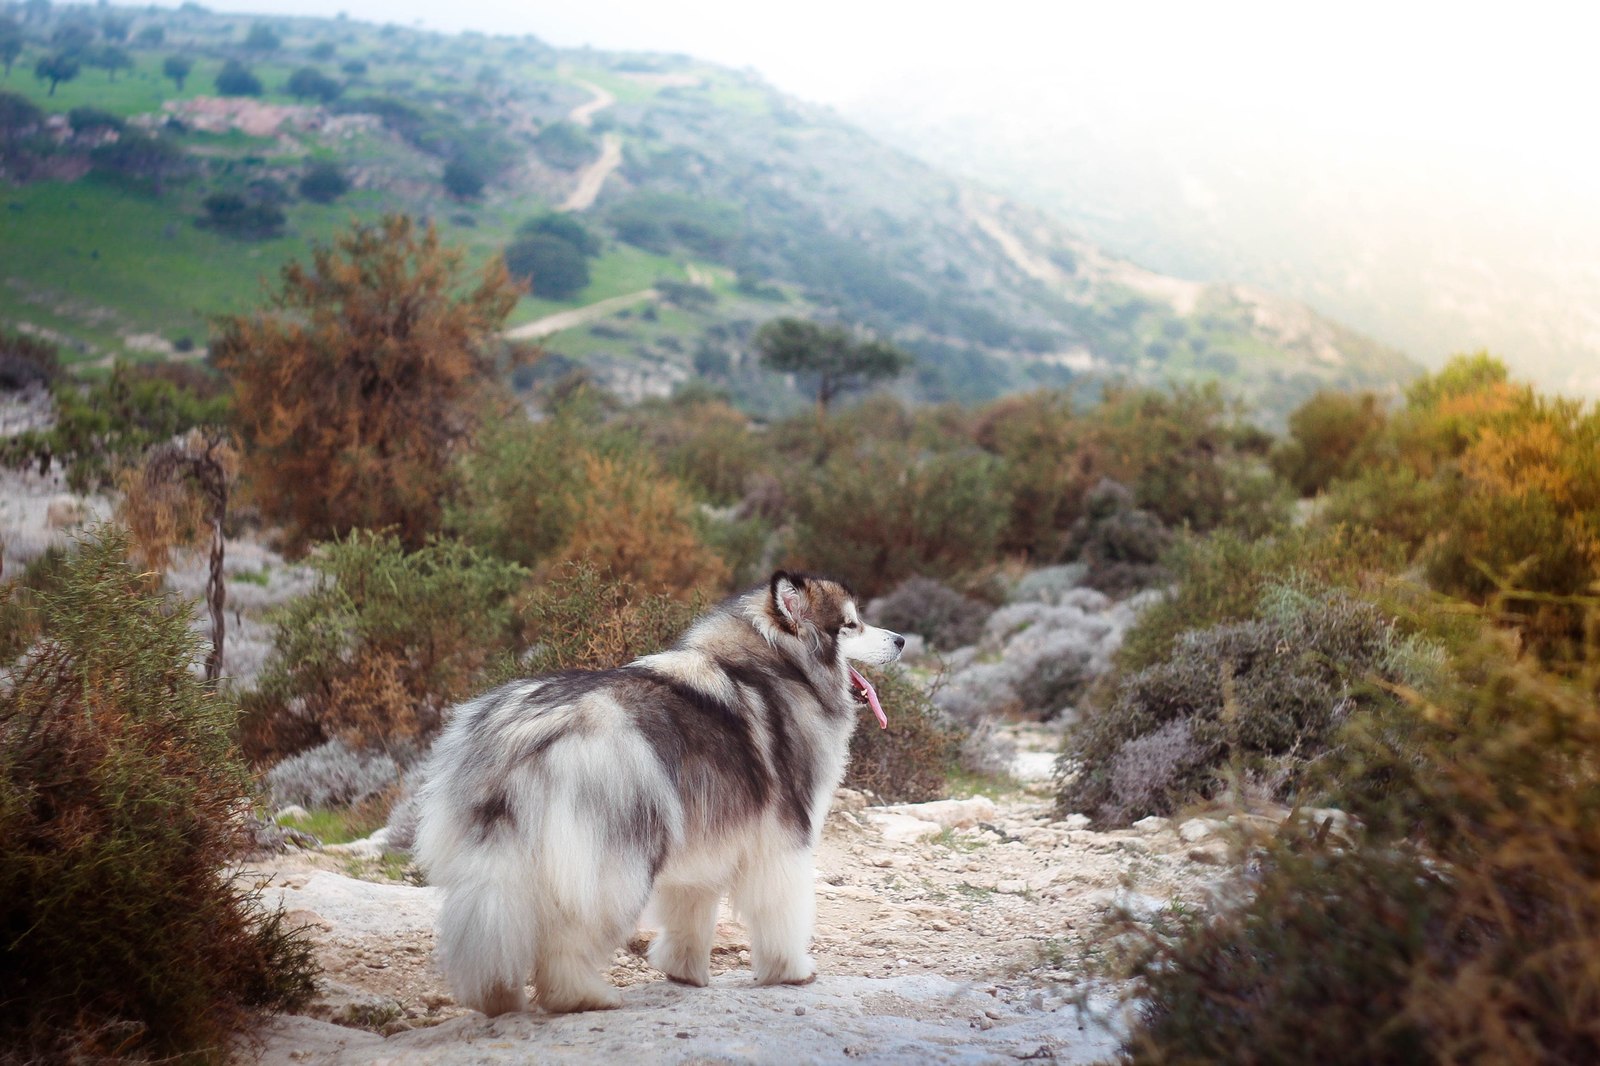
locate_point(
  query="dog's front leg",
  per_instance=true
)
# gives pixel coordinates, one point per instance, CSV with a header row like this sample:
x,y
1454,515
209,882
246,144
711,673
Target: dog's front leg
x,y
777,899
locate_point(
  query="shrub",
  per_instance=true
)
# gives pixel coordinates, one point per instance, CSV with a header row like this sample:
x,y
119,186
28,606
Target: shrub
x,y
1331,435
332,775
26,360
308,82
360,383
633,522
550,267
582,618
940,615
563,227
1120,543
323,183
1461,924
910,761
386,641
237,216
1261,700
1221,578
236,79
111,422
564,145
464,178
124,934
876,517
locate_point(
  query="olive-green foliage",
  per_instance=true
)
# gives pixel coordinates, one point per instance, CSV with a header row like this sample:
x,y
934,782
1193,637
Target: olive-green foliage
x,y
912,759
1332,435
520,486
1221,578
1462,924
101,425
564,145
123,934
663,222
1261,699
550,267
20,599
386,641
876,515
583,619
26,360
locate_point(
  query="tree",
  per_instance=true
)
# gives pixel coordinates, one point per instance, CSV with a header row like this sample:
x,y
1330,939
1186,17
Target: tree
x,y
564,226
236,216
56,69
551,268
10,43
308,82
463,179
262,38
110,59
115,28
358,386
142,157
236,79
151,37
830,355
323,183
177,68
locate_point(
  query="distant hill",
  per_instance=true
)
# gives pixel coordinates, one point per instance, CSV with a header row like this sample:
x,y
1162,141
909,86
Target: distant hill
x,y
706,203
1433,251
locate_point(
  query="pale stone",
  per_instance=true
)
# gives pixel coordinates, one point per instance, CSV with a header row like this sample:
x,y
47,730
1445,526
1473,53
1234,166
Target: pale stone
x,y
949,813
1195,830
901,828
1152,824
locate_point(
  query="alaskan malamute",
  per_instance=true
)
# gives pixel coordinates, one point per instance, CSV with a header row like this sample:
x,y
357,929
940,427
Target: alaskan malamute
x,y
556,808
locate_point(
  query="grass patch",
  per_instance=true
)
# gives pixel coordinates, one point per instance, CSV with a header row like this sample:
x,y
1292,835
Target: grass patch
x,y
338,825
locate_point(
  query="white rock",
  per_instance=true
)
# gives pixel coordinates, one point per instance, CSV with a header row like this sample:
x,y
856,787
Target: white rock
x,y
1034,766
1012,887
1044,879
1076,821
949,813
294,810
1195,830
372,847
1317,815
900,828
1152,824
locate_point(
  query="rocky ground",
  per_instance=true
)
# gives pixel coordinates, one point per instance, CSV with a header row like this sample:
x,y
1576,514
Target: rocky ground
x,y
946,932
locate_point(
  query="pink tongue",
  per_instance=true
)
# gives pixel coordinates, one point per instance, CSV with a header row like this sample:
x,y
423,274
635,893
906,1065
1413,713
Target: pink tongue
x,y
872,697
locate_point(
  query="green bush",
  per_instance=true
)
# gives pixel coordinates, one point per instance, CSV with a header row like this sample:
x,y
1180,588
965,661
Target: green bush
x,y
564,145
551,268
1259,702
124,936
584,619
1461,923
386,641
911,761
880,515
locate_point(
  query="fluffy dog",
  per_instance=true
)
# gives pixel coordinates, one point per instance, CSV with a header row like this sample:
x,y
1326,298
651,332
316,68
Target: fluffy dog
x,y
556,808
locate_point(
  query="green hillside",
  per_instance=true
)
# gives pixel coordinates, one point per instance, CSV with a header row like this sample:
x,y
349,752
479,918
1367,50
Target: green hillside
x,y
136,211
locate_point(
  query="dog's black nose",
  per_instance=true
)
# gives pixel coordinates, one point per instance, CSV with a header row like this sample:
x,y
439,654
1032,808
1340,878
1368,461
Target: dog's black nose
x,y
899,642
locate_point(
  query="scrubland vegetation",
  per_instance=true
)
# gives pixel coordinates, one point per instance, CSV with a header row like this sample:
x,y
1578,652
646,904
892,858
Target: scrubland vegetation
x,y
1391,611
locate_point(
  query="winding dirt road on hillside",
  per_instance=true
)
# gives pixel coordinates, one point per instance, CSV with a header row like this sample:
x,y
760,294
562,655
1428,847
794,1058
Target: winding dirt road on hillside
x,y
593,176
540,328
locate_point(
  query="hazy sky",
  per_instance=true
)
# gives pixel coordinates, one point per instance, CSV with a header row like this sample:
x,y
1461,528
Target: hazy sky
x,y
1518,77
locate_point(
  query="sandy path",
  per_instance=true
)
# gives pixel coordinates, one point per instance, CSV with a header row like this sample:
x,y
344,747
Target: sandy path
x,y
594,175
954,946
584,113
552,324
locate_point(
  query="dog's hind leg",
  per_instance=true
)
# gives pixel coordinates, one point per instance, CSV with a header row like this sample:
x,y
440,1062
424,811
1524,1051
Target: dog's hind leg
x,y
577,943
688,916
777,899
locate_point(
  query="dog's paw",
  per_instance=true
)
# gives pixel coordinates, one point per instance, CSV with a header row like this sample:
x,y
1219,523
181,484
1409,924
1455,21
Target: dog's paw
x,y
572,1001
679,963
800,971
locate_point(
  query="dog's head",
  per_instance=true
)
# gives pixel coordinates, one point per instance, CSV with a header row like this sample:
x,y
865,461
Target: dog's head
x,y
824,615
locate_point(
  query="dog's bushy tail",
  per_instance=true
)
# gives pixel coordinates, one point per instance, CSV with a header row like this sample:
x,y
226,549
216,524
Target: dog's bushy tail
x,y
488,927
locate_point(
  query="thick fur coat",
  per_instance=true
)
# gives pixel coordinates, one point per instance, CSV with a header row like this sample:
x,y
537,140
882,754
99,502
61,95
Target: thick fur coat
x,y
556,808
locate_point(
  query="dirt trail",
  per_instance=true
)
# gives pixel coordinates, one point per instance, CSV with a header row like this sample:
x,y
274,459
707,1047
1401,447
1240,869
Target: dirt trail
x,y
583,114
552,324
945,933
594,175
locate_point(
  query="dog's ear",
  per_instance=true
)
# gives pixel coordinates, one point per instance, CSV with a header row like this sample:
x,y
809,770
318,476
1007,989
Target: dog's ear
x,y
789,599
